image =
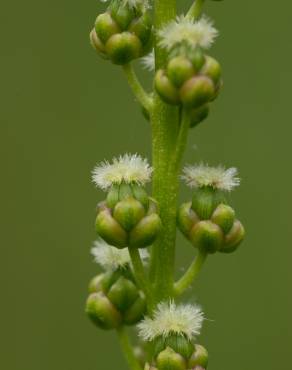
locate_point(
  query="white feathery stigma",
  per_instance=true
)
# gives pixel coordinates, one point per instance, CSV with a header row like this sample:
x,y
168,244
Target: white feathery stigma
x,y
143,4
218,177
168,318
111,258
148,62
200,33
126,168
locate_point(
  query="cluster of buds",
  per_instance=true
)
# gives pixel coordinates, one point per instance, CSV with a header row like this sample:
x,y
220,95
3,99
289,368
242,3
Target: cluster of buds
x,y
172,331
207,221
124,32
114,298
128,217
191,77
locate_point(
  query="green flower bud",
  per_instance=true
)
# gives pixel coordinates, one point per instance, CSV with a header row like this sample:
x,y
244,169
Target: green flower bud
x,y
123,294
233,238
123,47
207,236
113,196
212,69
136,312
170,360
109,278
197,91
123,15
95,284
102,312
197,58
128,213
97,44
165,88
179,69
105,27
177,342
199,114
110,230
205,200
142,27
145,233
186,218
199,357
141,195
224,217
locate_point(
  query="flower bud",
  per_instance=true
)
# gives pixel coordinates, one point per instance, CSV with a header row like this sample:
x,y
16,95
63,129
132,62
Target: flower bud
x,y
224,217
109,229
128,213
197,58
97,44
199,357
142,27
102,312
233,238
95,283
170,360
145,233
207,236
179,70
186,218
141,195
198,115
165,88
212,69
205,200
112,196
135,312
123,293
105,27
123,47
197,91
177,342
123,15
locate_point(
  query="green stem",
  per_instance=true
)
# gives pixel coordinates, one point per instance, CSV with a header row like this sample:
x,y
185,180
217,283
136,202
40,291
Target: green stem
x,y
195,10
188,278
181,140
127,349
141,276
164,119
144,99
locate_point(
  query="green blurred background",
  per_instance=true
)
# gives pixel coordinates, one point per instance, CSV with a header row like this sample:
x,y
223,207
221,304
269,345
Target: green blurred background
x,y
63,110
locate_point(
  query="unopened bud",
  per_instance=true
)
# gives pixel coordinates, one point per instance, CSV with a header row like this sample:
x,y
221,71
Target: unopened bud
x,y
141,27
177,342
141,195
170,360
224,217
109,230
102,312
166,89
186,218
123,294
105,26
128,213
199,357
179,70
198,115
112,196
123,15
95,284
233,238
212,69
197,58
197,91
135,312
205,200
97,44
145,233
207,236
123,47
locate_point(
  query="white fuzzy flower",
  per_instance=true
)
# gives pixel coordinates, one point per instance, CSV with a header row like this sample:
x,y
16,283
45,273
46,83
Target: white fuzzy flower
x,y
196,33
144,4
217,177
148,61
183,319
127,168
111,258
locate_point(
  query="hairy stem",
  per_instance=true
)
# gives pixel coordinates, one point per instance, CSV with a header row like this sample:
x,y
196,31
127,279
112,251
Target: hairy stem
x,y
128,349
164,121
190,275
195,10
143,98
141,276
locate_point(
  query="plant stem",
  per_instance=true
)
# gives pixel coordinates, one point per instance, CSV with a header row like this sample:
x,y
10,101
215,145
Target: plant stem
x,y
195,10
143,98
127,349
141,276
164,121
188,278
181,140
